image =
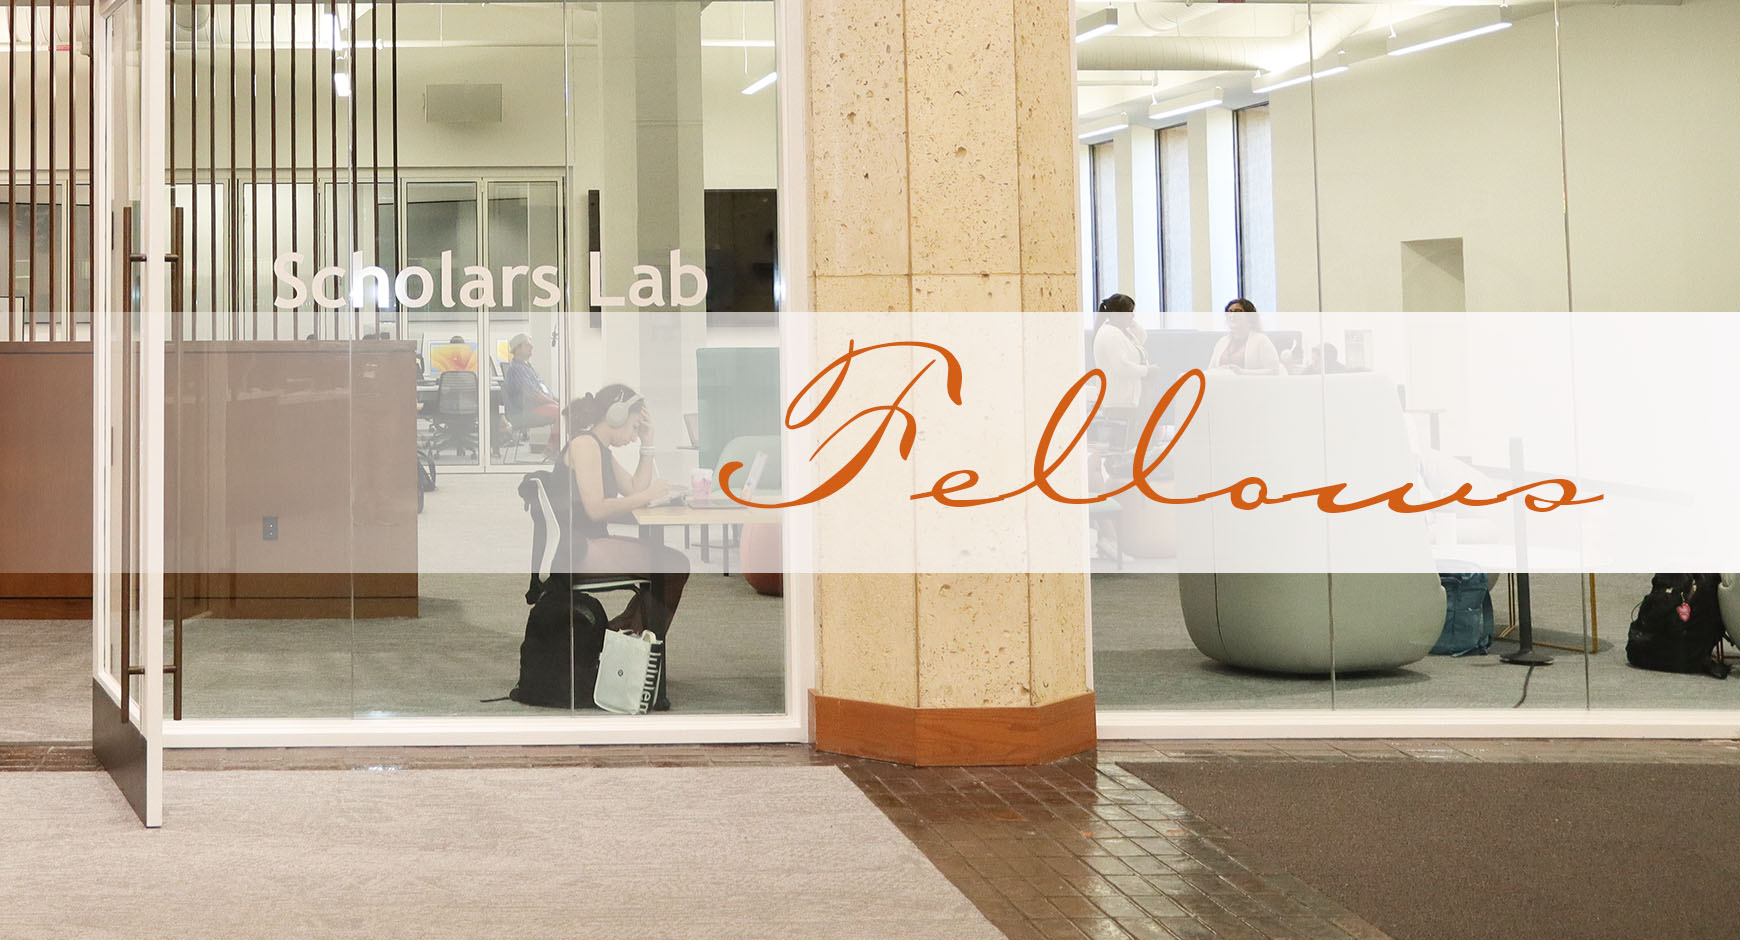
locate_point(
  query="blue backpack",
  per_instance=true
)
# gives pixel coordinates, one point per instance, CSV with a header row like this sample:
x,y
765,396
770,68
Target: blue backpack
x,y
1468,617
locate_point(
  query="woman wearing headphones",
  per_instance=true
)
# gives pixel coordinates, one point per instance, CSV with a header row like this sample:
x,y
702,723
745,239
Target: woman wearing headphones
x,y
604,491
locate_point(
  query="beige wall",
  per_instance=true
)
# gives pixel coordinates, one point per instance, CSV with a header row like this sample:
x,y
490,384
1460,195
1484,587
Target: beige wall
x,y
940,145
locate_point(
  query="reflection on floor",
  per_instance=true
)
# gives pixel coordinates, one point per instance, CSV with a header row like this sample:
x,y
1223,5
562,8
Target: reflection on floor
x,y
1143,659
726,656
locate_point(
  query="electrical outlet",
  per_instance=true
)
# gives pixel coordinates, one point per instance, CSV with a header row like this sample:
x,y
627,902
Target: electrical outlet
x,y
269,528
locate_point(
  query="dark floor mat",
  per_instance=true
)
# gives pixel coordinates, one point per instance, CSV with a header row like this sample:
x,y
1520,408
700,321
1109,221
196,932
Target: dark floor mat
x,y
1477,850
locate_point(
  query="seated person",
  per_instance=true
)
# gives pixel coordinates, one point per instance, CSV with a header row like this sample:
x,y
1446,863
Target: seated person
x,y
1325,359
1245,350
528,399
604,491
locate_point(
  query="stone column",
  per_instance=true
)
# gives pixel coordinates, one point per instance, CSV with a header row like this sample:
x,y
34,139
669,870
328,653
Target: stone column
x,y
652,196
942,192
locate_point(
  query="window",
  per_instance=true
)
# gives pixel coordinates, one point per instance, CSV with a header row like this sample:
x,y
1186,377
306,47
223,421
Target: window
x,y
1103,183
1256,202
1174,169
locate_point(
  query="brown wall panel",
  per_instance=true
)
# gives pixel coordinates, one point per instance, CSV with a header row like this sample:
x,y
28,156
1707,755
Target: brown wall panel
x,y
45,470
254,429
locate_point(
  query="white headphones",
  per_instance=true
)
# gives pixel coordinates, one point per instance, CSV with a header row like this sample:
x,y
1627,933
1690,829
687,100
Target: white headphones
x,y
617,415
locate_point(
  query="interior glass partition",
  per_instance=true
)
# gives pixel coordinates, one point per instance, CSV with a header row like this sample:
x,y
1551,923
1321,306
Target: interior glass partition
x,y
1460,199
1648,153
1429,240
1167,585
1445,270
382,333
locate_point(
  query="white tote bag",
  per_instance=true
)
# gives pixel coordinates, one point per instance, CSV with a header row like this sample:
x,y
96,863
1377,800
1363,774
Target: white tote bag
x,y
630,671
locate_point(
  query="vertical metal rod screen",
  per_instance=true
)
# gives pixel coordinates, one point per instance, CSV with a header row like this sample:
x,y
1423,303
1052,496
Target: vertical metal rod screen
x,y
264,177
52,134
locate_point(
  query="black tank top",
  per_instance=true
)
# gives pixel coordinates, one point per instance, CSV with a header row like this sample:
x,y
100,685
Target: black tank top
x,y
584,524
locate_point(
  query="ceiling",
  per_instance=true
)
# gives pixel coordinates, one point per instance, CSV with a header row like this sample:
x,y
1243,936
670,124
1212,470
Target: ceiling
x,y
1258,36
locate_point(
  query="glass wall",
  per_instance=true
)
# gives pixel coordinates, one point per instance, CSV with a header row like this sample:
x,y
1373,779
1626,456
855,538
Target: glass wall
x,y
1427,201
396,221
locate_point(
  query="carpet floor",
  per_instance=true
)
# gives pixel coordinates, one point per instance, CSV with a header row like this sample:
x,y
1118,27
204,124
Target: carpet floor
x,y
45,680
645,852
1143,658
1442,851
727,649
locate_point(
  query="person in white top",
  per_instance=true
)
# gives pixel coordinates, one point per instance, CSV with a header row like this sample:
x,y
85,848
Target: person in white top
x,y
1245,350
1120,352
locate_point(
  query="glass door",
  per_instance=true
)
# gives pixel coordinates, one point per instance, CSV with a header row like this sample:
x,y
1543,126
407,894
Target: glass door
x,y
522,234
127,643
441,223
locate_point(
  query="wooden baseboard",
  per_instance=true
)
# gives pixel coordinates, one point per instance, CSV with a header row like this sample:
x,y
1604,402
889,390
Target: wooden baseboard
x,y
305,608
229,608
955,737
45,608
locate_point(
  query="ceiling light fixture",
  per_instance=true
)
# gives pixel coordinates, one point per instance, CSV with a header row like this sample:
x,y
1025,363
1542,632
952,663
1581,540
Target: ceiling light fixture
x,y
1097,23
761,83
1261,89
1176,106
1103,129
1411,42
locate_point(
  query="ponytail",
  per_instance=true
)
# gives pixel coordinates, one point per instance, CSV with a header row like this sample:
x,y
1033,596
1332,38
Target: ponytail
x,y
1116,303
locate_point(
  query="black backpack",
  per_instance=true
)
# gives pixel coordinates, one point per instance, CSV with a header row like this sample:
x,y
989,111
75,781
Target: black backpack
x,y
565,629
559,656
1677,627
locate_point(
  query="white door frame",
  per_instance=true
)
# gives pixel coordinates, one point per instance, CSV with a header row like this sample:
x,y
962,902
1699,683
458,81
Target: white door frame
x,y
145,712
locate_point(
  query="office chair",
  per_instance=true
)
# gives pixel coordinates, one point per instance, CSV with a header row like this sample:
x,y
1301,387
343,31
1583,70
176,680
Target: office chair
x,y
456,413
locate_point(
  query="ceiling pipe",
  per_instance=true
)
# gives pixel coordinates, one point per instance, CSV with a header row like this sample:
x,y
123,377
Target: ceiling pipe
x,y
1329,28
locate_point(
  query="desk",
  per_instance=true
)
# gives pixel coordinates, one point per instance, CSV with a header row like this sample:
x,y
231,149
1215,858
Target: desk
x,y
654,521
429,392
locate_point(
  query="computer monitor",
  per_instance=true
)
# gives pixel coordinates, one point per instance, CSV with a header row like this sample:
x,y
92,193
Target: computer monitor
x,y
445,356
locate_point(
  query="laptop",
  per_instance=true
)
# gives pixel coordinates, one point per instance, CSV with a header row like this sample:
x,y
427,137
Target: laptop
x,y
750,483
